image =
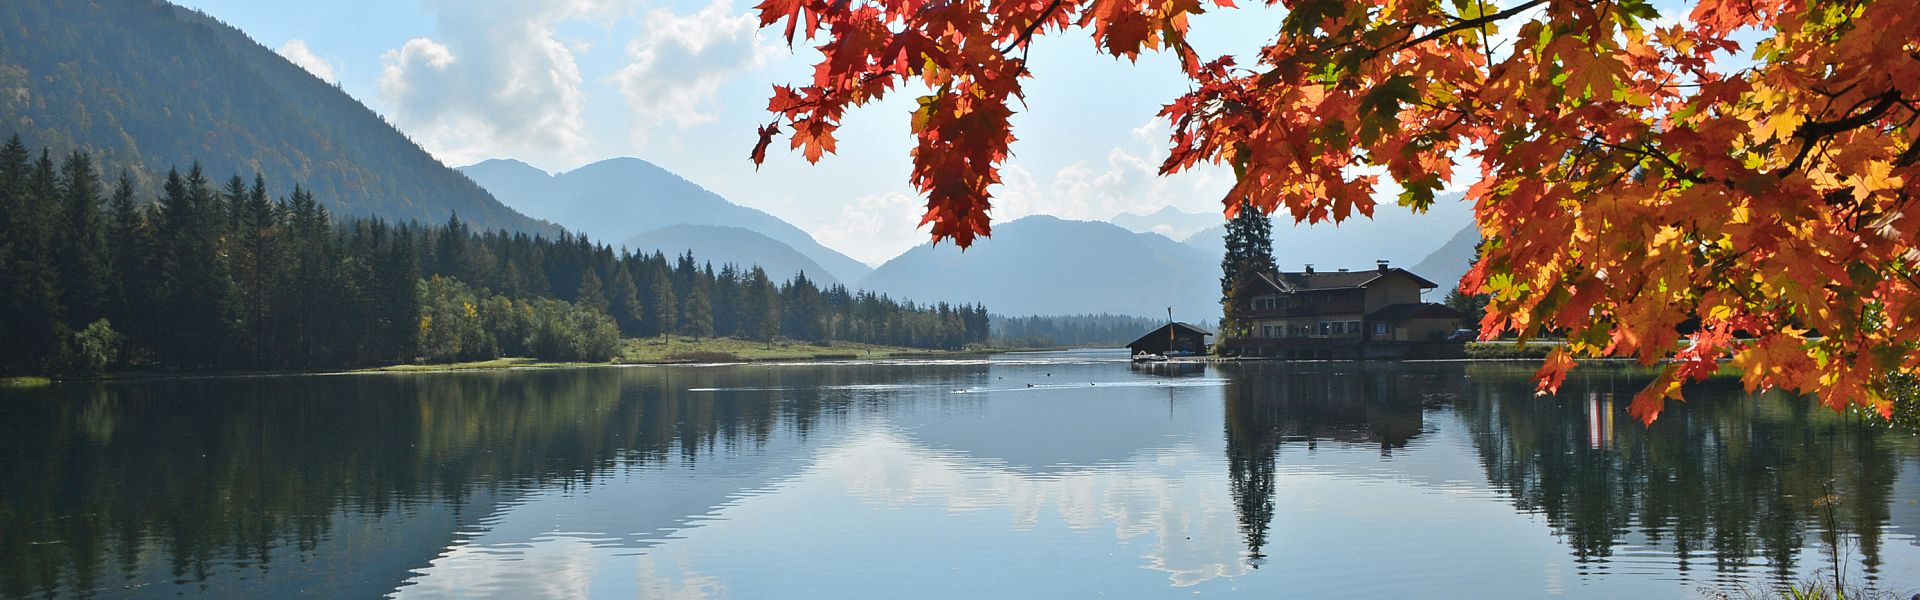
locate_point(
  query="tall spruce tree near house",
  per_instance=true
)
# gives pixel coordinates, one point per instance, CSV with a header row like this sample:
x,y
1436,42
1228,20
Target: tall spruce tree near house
x,y
1249,245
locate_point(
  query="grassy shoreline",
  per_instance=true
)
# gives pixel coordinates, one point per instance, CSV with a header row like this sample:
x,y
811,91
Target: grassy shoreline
x,y
633,351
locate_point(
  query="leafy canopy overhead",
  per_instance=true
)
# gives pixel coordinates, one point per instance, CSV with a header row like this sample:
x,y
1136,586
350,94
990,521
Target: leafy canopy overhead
x,y
1638,171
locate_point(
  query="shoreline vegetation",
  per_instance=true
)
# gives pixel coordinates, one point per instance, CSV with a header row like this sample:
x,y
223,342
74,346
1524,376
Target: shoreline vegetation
x,y
633,351
96,280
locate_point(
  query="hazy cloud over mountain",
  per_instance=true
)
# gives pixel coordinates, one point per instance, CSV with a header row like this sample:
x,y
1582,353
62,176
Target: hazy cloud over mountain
x,y
679,64
1129,181
494,77
297,52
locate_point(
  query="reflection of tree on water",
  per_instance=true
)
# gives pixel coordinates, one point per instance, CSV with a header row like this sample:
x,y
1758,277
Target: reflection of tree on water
x,y
1269,405
1723,477
218,477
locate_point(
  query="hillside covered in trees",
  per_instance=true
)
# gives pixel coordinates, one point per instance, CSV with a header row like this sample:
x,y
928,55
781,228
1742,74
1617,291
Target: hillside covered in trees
x,y
141,83
223,276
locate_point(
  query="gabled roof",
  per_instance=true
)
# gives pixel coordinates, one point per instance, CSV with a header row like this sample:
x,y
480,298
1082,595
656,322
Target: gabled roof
x,y
1413,310
1162,331
1294,282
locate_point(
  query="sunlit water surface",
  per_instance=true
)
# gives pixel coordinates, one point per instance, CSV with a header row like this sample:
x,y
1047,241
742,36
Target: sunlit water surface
x,y
1035,475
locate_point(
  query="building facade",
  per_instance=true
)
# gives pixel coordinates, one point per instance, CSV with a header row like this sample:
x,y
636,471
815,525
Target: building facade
x,y
1342,314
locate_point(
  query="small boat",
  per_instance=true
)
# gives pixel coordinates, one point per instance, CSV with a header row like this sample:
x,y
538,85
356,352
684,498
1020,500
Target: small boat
x,y
1144,357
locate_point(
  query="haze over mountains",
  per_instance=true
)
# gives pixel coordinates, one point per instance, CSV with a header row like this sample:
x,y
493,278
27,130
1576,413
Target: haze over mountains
x,y
145,86
1043,265
619,199
1171,222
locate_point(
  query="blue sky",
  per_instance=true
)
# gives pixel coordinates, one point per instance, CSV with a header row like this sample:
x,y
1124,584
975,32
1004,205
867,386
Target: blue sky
x,y
563,83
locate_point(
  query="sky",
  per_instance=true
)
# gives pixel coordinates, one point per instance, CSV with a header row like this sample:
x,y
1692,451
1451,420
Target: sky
x,y
564,83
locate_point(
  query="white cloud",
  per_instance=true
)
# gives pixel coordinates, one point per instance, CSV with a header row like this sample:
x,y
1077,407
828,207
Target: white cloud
x,y
297,52
1129,182
497,80
876,227
679,64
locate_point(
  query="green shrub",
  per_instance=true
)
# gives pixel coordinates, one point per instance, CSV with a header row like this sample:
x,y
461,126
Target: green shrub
x,y
93,350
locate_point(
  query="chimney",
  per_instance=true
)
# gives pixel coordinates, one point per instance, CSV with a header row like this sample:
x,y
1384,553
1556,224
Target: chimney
x,y
1309,268
1381,264
1343,270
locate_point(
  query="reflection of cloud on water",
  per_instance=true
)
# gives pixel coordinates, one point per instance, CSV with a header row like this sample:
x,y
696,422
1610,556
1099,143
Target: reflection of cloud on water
x,y
1172,500
559,566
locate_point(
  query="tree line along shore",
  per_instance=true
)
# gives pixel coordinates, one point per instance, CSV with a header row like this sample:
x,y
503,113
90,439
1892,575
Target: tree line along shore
x,y
210,277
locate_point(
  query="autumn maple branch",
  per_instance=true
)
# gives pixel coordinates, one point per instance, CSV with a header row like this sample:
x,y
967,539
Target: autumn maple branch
x,y
1026,34
1811,134
1473,23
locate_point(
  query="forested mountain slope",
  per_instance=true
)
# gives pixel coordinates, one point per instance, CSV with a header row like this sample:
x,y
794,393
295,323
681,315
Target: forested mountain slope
x,y
141,83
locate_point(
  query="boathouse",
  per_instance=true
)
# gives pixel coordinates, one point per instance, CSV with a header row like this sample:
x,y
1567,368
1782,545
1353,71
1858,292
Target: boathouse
x,y
1172,339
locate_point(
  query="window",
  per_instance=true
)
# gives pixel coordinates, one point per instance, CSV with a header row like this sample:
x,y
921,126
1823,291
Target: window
x,y
1380,328
1326,328
1353,327
1269,331
1286,302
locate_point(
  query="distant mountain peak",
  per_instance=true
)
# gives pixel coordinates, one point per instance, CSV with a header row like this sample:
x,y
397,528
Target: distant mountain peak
x,y
623,197
506,163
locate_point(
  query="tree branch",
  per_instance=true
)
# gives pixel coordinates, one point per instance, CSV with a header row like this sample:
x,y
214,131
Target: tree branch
x,y
1811,134
1471,23
1026,35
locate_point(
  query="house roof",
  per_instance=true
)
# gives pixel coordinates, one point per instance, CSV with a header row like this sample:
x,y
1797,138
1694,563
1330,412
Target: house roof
x,y
1413,310
1162,330
1294,282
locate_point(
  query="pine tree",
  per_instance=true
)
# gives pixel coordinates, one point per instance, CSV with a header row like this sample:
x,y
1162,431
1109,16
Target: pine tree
x,y
82,249
800,309
592,293
661,310
134,263
726,301
196,289
31,305
628,310
699,312
759,307
1249,244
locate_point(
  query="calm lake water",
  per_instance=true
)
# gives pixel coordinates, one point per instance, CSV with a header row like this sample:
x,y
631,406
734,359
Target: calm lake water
x,y
1037,476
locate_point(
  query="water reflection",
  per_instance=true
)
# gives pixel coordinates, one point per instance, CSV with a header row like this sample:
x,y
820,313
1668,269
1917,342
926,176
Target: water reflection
x,y
1036,476
1730,480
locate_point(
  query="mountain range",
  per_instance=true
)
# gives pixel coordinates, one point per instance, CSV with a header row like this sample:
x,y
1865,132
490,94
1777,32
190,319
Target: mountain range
x,y
1043,265
1169,221
145,86
619,199
1447,264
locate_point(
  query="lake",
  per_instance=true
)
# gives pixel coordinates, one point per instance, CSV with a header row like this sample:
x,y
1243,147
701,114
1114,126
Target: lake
x,y
1054,475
